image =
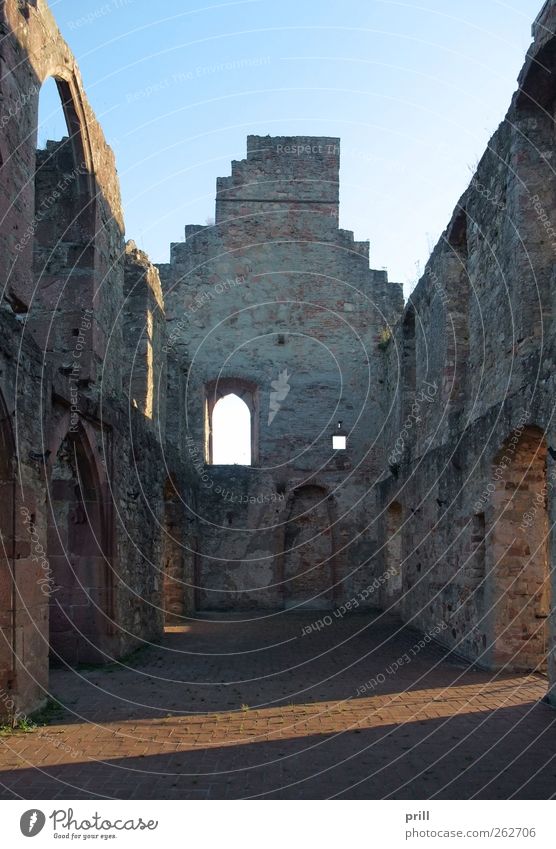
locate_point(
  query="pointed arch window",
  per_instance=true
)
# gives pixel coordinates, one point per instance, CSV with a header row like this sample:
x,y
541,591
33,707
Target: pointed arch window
x,y
231,423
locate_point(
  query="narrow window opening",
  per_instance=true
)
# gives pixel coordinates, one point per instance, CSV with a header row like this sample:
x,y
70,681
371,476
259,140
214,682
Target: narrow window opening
x,y
339,439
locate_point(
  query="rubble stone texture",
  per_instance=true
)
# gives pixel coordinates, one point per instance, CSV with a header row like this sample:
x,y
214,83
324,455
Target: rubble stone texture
x,y
278,304
114,521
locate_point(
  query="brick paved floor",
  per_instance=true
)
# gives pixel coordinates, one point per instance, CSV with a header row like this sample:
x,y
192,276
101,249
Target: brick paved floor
x,y
234,709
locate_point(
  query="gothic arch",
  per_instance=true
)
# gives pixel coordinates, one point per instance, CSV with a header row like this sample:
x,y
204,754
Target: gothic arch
x,y
248,392
48,55
33,51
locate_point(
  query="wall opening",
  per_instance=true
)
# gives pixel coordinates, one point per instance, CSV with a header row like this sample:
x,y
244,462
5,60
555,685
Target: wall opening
x,y
478,557
455,299
518,601
63,236
7,519
409,363
51,125
393,585
79,624
457,234
231,432
474,584
173,561
231,417
339,443
308,568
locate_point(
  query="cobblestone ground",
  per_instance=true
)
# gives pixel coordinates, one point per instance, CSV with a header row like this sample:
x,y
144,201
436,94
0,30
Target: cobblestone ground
x,y
233,709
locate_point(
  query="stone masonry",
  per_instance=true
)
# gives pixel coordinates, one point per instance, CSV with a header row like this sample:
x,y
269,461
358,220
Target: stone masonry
x,y
114,519
274,288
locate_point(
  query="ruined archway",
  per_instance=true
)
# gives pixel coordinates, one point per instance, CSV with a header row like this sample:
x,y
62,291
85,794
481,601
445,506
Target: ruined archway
x,y
7,521
518,586
63,235
64,217
81,600
308,567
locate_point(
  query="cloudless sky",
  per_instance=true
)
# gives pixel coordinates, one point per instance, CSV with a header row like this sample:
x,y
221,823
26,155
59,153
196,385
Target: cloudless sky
x,y
414,89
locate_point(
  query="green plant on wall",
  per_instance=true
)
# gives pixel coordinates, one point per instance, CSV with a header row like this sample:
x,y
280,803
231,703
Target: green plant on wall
x,y
384,338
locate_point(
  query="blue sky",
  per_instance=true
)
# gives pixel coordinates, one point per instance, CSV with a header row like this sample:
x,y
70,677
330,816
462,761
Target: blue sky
x,y
414,89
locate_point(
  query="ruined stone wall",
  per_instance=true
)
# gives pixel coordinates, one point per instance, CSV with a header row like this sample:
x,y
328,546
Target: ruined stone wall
x,y
91,461
276,298
25,575
32,51
144,330
469,371
442,502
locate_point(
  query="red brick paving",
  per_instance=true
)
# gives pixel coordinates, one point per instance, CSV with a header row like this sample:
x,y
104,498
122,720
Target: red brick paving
x,y
239,709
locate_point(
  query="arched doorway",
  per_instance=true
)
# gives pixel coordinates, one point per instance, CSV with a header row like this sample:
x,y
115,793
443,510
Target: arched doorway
x,y
80,604
308,574
7,519
518,585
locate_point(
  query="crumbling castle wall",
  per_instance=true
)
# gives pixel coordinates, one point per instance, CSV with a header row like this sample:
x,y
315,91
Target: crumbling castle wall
x,y
82,464
277,302
469,387
442,504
